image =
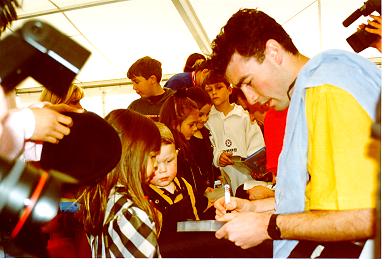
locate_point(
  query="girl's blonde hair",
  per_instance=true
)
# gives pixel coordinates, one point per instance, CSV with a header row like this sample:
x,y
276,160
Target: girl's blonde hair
x,y
74,95
166,134
139,137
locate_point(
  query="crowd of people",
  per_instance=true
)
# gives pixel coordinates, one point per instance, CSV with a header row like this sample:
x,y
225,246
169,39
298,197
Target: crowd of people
x,y
143,169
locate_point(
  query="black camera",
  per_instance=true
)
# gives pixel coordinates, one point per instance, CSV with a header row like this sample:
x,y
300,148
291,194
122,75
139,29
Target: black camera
x,y
39,50
29,197
362,39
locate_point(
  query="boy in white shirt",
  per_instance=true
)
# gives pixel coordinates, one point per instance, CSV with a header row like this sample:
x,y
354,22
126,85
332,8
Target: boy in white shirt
x,y
232,131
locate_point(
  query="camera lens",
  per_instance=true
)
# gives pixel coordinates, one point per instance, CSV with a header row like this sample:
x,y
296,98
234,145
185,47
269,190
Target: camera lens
x,y
28,196
361,40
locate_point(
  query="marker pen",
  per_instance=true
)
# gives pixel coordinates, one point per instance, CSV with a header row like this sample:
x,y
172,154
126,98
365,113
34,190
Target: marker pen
x,y
227,196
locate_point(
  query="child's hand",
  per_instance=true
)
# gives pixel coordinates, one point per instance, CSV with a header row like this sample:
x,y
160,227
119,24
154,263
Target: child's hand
x,y
209,189
225,159
260,192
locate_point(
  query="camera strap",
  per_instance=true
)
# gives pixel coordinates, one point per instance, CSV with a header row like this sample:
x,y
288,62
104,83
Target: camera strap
x,y
32,201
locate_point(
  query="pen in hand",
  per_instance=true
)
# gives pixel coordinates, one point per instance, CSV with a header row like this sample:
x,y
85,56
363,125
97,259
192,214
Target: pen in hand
x,y
227,196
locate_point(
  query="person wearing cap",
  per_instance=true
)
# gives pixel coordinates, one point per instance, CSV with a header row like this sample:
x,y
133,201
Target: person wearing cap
x,y
185,80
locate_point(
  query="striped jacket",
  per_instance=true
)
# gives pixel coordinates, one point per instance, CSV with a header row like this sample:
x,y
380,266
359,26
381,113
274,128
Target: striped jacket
x,y
127,231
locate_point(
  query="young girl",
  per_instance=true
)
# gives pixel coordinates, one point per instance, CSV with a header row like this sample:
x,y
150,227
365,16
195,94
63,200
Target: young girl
x,y
181,114
200,142
118,219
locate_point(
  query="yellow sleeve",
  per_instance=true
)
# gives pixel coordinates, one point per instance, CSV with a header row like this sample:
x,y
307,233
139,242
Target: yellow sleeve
x,y
343,170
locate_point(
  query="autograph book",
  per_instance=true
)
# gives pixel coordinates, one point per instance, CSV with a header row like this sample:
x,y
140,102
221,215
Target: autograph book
x,y
256,162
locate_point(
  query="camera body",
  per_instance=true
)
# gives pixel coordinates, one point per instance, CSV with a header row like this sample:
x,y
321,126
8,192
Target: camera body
x,y
41,51
362,39
29,196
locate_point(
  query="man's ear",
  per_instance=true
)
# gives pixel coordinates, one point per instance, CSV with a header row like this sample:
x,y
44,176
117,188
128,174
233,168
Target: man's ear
x,y
274,50
177,152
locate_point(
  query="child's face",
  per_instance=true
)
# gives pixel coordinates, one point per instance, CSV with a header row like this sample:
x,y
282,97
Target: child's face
x,y
218,92
203,116
166,166
151,166
188,126
142,86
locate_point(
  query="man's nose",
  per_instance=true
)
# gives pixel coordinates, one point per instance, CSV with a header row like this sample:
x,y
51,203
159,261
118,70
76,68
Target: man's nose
x,y
251,96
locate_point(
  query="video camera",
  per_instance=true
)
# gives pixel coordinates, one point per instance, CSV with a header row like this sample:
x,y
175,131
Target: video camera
x,y
29,196
362,39
42,52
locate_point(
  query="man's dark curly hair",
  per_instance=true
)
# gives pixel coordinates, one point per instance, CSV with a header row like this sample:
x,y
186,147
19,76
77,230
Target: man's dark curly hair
x,y
247,32
7,13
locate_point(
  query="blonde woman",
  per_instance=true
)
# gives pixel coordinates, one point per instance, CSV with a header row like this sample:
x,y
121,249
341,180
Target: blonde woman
x,y
72,98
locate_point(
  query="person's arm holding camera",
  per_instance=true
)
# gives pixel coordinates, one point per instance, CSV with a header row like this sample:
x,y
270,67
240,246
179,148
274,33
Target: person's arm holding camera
x,y
374,26
50,124
41,123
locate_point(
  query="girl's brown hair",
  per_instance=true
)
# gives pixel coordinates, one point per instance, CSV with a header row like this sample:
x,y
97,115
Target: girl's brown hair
x,y
173,112
139,137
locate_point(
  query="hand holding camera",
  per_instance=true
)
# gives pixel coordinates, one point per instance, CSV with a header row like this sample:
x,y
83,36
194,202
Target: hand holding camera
x,y
374,27
367,35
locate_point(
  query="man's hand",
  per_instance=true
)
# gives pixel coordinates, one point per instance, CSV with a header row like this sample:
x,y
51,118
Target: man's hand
x,y
245,229
236,205
50,125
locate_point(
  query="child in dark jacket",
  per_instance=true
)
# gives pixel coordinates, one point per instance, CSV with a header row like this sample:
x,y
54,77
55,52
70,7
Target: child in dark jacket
x,y
173,196
180,114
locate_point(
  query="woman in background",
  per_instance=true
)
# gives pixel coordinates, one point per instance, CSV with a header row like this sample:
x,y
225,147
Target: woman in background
x,y
72,98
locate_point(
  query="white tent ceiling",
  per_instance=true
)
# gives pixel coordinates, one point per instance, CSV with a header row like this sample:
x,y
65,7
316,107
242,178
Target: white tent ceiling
x,y
119,32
